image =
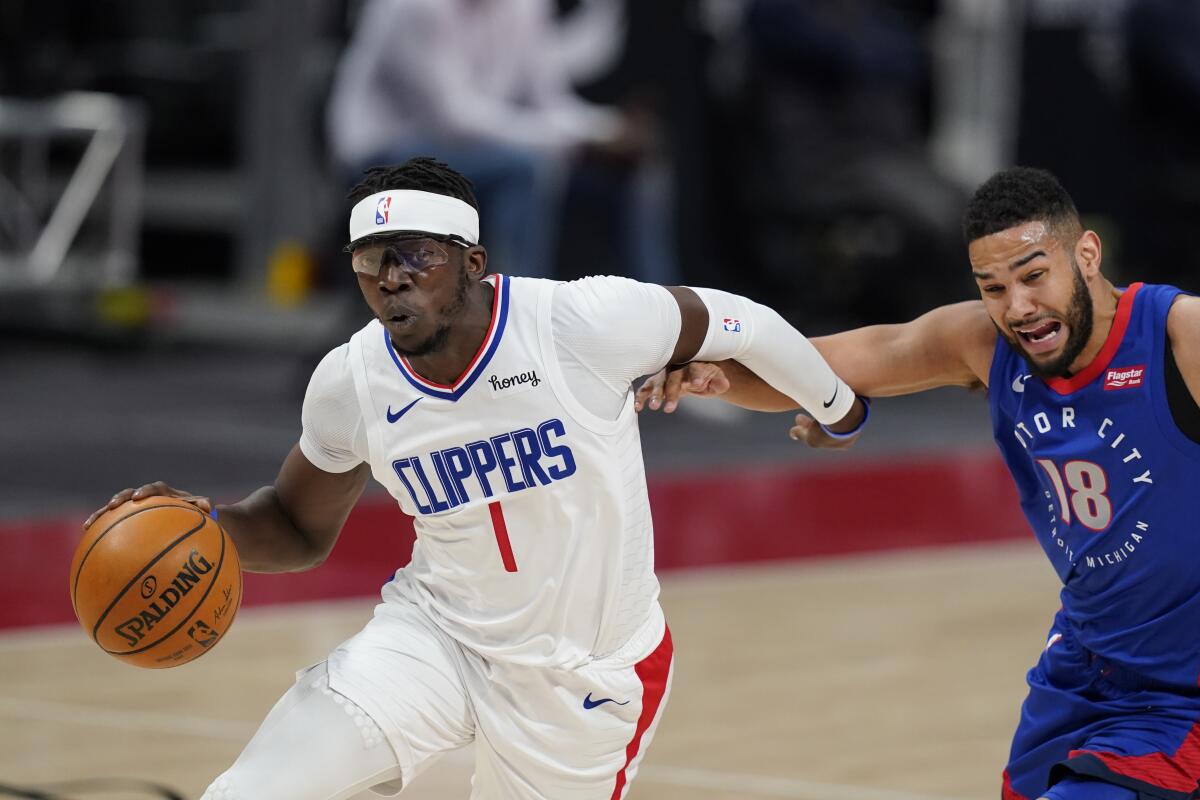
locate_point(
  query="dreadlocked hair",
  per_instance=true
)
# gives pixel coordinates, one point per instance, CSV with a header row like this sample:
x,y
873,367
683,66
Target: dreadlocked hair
x,y
422,173
1015,196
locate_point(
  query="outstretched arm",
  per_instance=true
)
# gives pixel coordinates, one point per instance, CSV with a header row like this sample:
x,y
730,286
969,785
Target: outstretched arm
x,y
949,346
610,331
287,527
719,325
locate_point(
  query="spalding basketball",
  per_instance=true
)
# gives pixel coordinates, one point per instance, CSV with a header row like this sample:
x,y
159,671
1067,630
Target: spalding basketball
x,y
156,582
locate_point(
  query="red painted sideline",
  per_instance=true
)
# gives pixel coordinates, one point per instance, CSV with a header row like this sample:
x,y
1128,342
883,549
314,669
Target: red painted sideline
x,y
754,514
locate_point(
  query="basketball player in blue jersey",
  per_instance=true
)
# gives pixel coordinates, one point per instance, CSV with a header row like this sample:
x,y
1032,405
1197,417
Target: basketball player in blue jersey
x,y
1094,392
499,413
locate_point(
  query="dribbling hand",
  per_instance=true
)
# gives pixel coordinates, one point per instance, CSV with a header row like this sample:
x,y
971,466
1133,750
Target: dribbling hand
x,y
665,388
159,489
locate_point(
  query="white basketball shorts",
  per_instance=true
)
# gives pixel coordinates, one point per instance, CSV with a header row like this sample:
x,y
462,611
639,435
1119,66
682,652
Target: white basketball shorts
x,y
540,734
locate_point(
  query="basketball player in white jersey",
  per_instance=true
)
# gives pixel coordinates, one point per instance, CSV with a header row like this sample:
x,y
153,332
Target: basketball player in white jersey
x,y
499,413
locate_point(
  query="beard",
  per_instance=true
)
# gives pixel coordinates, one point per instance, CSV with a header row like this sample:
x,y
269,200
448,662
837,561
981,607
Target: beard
x,y
1079,320
437,340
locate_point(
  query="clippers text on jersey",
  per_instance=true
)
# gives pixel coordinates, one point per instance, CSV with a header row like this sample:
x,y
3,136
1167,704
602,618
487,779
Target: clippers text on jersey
x,y
502,464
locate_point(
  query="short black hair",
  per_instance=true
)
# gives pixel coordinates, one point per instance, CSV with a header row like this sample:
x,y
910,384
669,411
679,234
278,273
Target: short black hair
x,y
422,173
1015,196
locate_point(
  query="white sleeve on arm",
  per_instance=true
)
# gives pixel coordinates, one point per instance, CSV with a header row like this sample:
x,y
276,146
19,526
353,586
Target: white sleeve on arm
x,y
334,438
608,332
756,336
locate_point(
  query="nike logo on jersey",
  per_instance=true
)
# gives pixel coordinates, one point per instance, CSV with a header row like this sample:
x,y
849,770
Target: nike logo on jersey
x,y
1019,382
589,703
392,417
829,402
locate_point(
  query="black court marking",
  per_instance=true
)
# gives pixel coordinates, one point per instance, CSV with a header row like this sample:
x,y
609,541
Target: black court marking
x,y
88,786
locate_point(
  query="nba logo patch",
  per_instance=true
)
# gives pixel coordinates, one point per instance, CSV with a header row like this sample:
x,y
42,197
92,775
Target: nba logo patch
x,y
1124,377
381,209
732,325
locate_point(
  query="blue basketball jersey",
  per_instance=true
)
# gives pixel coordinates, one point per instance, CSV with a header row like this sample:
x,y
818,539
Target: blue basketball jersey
x,y
1111,488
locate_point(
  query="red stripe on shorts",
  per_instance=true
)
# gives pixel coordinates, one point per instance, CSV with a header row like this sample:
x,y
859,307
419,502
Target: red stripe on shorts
x,y
652,671
1009,793
1177,771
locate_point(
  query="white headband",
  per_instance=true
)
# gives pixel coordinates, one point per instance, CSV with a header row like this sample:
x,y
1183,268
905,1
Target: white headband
x,y
413,211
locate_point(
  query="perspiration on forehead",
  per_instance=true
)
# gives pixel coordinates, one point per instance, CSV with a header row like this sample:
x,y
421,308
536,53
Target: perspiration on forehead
x,y
1011,247
1047,232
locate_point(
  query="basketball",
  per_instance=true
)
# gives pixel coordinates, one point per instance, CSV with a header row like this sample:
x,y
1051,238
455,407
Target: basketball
x,y
156,582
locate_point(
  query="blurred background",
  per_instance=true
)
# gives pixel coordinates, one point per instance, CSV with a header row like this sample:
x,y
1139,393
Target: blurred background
x,y
172,183
172,217
157,160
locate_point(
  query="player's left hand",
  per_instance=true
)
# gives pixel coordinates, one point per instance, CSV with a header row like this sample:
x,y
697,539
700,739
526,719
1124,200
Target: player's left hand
x,y
809,431
665,389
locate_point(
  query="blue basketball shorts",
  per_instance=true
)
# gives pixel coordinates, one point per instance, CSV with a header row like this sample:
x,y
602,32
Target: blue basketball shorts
x,y
1086,723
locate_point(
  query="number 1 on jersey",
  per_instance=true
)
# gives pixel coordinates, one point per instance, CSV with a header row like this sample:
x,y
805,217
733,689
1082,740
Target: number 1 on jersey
x,y
506,553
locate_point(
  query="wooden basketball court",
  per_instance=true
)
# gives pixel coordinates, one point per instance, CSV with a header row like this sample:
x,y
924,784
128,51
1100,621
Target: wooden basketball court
x,y
878,677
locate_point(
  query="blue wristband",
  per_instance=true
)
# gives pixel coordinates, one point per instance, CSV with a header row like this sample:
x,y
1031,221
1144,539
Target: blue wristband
x,y
213,512
862,423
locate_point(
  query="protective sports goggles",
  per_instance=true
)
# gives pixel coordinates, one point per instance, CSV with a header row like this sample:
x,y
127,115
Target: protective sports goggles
x,y
411,255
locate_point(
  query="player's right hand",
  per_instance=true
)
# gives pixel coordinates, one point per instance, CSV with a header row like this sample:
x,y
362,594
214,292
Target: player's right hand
x,y
665,388
156,489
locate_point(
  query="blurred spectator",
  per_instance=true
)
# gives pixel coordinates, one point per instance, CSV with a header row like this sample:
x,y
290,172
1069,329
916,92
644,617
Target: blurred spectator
x,y
485,85
836,191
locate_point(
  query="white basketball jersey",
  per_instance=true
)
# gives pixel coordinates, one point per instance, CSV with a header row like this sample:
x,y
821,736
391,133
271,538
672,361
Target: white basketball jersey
x,y
534,539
